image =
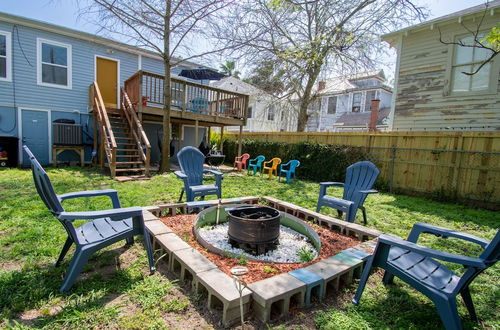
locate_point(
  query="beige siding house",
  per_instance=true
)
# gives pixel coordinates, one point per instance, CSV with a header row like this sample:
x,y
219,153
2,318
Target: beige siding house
x,y
431,91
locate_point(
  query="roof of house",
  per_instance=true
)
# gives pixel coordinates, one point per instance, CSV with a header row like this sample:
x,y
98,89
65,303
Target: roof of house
x,y
239,86
361,118
493,5
44,26
352,82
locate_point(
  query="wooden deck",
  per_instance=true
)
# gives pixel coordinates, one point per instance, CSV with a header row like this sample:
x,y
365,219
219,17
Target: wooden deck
x,y
190,101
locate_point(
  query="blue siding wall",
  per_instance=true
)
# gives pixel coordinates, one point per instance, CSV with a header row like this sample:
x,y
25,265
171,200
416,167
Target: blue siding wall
x,y
153,65
8,121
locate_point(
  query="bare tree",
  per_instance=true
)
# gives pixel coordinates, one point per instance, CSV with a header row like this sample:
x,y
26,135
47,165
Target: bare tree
x,y
307,38
167,27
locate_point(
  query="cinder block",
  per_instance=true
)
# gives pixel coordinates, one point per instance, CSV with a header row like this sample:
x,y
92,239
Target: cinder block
x,y
276,295
361,232
189,262
222,290
148,213
156,227
332,223
330,270
313,282
170,243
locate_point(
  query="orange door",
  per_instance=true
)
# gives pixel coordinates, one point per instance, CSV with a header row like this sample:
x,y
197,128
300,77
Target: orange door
x,y
107,79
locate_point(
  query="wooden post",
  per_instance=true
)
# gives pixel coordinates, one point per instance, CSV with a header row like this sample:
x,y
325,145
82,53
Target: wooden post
x,y
95,137
221,138
196,134
209,133
239,140
179,129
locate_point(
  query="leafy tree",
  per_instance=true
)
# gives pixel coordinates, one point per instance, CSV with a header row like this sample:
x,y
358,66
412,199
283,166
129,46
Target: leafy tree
x,y
229,69
268,77
306,38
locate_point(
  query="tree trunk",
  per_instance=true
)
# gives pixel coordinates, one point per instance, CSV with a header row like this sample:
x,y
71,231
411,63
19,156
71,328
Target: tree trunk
x,y
167,97
306,100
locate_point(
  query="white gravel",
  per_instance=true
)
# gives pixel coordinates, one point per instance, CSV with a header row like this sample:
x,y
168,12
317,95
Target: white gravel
x,y
290,243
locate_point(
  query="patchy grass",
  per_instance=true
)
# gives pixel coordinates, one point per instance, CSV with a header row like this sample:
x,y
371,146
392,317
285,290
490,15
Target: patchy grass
x,y
116,291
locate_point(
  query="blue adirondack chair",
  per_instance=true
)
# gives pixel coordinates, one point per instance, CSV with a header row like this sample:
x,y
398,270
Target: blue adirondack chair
x,y
256,164
292,166
191,161
417,266
359,181
107,226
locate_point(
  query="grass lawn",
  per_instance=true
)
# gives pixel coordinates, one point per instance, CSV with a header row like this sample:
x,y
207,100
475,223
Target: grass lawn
x,y
115,290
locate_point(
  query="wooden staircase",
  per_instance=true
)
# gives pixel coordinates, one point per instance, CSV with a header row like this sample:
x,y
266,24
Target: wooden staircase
x,y
123,144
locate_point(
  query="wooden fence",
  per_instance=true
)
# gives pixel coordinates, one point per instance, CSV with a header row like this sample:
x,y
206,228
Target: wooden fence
x,y
465,165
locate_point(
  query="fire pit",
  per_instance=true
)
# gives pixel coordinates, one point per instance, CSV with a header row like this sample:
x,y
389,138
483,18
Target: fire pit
x,y
254,229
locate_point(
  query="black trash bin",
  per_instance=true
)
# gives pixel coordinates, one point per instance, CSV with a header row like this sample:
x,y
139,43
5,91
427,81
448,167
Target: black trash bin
x,y
8,151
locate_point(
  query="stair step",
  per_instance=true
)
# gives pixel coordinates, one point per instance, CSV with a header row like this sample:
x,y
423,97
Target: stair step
x,y
135,169
129,163
127,156
125,144
119,149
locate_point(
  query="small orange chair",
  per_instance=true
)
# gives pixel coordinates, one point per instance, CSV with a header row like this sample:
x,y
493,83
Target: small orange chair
x,y
241,161
272,168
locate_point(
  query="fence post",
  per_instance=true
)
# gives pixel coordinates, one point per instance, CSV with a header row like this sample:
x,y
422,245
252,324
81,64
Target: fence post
x,y
391,169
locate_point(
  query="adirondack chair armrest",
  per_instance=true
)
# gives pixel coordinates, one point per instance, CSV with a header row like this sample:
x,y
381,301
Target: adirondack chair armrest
x,y
180,175
114,214
419,228
113,194
432,253
370,191
331,184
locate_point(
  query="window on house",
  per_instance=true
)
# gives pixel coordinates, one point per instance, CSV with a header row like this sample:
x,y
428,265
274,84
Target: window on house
x,y
5,56
54,64
270,112
468,59
370,96
249,112
332,105
356,102
282,115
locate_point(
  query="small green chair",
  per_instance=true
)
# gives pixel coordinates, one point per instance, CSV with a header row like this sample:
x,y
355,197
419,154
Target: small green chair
x,y
256,164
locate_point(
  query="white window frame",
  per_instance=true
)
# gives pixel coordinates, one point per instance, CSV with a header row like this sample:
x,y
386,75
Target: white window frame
x,y
328,105
273,112
8,57
69,64
360,102
494,73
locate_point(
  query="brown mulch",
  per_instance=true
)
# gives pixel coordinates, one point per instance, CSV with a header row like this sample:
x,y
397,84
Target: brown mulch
x,y
331,244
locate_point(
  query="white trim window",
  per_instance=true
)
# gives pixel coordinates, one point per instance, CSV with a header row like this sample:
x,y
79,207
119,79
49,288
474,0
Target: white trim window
x,y
5,56
270,112
468,59
53,64
356,102
332,105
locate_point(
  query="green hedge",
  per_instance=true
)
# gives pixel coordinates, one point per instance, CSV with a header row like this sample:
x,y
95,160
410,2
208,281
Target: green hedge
x,y
318,162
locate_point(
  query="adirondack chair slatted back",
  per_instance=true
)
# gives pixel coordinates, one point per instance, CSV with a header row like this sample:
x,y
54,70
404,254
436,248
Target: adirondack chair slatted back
x,y
191,161
43,184
359,176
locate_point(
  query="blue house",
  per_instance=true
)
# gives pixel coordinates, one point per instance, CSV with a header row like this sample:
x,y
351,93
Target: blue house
x,y
110,90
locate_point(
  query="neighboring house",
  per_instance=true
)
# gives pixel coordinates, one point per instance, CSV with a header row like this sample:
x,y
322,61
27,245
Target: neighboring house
x,y
265,112
45,74
431,92
343,103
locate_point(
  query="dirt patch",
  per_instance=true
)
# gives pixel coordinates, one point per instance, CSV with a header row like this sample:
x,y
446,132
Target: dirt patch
x,y
331,244
10,266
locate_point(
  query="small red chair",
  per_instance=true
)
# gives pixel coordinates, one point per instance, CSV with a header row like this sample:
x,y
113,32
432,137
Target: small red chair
x,y
241,161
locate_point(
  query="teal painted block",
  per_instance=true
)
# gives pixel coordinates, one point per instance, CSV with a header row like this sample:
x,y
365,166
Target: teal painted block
x,y
356,253
312,280
348,258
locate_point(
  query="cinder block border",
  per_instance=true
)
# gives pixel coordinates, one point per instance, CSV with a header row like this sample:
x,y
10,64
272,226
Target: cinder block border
x,y
257,300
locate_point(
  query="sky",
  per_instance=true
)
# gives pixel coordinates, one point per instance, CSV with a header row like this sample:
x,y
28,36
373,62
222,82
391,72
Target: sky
x,y
65,12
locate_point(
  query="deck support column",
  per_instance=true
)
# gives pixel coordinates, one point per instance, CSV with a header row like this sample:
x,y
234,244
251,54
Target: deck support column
x,y
196,134
208,135
239,140
94,160
221,139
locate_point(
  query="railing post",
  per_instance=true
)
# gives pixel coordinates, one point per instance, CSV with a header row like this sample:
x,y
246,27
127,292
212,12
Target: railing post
x,y
217,105
139,93
184,97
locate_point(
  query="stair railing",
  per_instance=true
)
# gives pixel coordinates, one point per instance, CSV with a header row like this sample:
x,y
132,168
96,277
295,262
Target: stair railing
x,y
137,130
108,141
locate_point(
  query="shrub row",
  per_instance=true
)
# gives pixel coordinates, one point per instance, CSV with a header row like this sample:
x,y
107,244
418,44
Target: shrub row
x,y
318,162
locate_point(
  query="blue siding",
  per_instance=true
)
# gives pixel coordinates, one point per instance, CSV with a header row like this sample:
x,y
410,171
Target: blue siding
x,y
153,65
8,121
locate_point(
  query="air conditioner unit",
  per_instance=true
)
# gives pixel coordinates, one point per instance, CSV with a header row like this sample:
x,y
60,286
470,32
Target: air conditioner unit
x,y
67,134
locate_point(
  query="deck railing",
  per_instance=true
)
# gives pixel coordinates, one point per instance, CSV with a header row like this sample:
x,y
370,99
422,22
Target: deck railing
x,y
108,143
138,133
146,89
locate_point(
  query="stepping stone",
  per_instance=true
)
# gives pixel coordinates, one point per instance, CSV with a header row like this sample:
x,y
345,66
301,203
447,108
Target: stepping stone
x,y
312,281
275,295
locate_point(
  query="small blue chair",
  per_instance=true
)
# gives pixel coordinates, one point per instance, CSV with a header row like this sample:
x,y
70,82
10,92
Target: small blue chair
x,y
418,266
359,181
107,226
292,166
191,161
256,164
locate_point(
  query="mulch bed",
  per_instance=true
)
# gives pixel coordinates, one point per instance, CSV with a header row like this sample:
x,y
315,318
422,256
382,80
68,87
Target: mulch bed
x,y
331,244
